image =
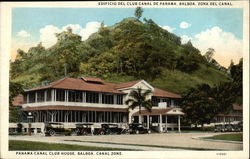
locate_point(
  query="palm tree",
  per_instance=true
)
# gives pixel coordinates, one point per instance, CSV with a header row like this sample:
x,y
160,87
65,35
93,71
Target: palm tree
x,y
138,99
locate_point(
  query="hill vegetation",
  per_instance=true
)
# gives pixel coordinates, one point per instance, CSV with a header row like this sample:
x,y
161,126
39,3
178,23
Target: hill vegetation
x,y
129,50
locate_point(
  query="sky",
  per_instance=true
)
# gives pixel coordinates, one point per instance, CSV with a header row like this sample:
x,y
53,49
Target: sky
x,y
218,28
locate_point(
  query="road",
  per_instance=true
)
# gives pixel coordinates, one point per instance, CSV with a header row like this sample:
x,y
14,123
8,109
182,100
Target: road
x,y
152,141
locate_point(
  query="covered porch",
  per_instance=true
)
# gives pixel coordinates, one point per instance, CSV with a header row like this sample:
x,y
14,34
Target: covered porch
x,y
160,120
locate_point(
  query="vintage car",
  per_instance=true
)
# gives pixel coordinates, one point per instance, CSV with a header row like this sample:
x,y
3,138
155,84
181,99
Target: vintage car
x,y
112,129
82,129
53,128
219,128
229,128
137,128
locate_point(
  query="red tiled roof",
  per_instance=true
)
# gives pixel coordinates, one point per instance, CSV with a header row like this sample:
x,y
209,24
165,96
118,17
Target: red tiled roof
x,y
153,112
127,84
18,101
74,108
237,107
162,93
79,84
92,79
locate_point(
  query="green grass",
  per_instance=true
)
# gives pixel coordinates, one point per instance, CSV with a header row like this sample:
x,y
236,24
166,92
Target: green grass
x,y
230,137
159,146
15,145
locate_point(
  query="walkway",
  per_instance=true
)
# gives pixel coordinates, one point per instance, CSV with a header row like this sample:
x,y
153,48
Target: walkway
x,y
150,142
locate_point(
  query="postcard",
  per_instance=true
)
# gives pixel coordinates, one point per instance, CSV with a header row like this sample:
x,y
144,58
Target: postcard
x,y
125,79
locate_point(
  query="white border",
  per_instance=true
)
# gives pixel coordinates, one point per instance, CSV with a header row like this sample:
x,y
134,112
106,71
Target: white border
x,y
5,42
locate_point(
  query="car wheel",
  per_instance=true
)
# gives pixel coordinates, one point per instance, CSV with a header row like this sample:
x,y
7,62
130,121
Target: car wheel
x,y
52,132
127,132
74,133
102,133
84,133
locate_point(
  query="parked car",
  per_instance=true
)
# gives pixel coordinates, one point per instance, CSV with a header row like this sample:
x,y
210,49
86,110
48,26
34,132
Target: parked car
x,y
82,129
240,125
112,129
219,128
237,128
53,128
137,128
229,128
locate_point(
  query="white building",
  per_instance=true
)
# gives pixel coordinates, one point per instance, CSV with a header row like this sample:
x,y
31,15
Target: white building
x,y
92,100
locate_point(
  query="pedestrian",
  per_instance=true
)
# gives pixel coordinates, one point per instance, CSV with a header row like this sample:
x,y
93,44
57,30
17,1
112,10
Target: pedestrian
x,y
92,130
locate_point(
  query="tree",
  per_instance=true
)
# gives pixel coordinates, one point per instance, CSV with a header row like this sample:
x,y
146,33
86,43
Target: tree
x,y
225,96
138,98
199,106
209,54
15,89
138,12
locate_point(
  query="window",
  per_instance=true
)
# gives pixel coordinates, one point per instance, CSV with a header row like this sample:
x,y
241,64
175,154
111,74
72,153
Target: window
x,y
92,97
48,96
176,102
25,100
155,101
107,98
74,96
119,99
60,95
40,96
32,97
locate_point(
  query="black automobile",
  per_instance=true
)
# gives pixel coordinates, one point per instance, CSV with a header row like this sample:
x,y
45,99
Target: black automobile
x,y
111,129
236,128
229,128
240,125
82,129
219,128
137,128
53,128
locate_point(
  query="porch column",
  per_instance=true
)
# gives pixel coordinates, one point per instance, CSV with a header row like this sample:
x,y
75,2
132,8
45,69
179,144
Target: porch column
x,y
147,121
160,123
179,123
52,95
27,97
45,95
100,98
55,94
84,97
139,119
166,129
35,97
66,95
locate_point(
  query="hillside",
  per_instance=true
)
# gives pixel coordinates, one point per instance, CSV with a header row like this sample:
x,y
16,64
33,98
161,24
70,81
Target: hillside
x,y
129,50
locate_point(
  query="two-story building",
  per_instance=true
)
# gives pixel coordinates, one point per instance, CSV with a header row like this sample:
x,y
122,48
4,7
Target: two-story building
x,y
92,100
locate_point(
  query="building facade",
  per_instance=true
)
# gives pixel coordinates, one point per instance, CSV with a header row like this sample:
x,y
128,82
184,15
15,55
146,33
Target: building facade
x,y
92,100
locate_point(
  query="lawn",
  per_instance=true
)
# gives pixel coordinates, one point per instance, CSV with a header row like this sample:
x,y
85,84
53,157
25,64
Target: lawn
x,y
34,146
231,137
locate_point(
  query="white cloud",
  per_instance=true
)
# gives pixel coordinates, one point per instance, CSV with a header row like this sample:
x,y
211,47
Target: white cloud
x,y
90,28
47,35
185,39
184,25
168,28
48,38
76,28
226,45
23,33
